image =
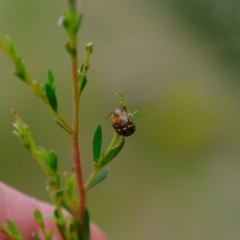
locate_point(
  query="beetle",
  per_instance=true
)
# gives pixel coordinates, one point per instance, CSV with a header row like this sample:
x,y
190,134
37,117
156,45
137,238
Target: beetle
x,y
122,122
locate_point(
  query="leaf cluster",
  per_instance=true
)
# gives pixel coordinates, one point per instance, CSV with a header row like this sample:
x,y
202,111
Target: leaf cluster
x,y
72,226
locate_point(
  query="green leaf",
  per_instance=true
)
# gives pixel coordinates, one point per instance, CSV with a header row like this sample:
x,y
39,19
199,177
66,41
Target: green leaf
x,y
11,51
99,178
23,132
53,161
83,84
97,144
85,226
48,163
112,153
51,79
20,70
38,217
12,227
82,81
50,93
10,48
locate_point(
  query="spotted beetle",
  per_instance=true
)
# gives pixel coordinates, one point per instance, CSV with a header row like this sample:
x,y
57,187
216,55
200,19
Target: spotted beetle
x,y
122,122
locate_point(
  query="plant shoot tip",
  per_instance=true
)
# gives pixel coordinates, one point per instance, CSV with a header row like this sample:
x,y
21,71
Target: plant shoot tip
x,y
89,45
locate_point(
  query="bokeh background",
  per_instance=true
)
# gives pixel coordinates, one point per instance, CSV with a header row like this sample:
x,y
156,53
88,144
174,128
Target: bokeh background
x,y
178,63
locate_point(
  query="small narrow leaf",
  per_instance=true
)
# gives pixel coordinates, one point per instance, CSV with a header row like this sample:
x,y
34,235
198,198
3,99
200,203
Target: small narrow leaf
x,y
23,132
97,144
99,178
38,215
50,79
112,153
53,161
83,84
12,227
19,65
50,93
85,226
39,219
82,81
10,47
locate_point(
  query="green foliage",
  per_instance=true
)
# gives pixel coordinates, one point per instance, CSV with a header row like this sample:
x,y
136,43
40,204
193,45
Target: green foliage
x,y
23,132
47,160
97,144
86,226
50,91
11,230
112,153
39,219
82,84
99,178
132,115
46,94
82,79
70,195
9,49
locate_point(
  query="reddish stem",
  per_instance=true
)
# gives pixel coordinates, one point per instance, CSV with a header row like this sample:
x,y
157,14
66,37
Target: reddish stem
x,y
75,138
78,172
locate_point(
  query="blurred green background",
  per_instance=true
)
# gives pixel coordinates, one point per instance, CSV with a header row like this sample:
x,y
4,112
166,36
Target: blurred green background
x,y
178,63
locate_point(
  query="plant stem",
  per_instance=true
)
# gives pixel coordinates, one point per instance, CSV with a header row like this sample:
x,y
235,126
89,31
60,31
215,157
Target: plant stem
x,y
75,138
